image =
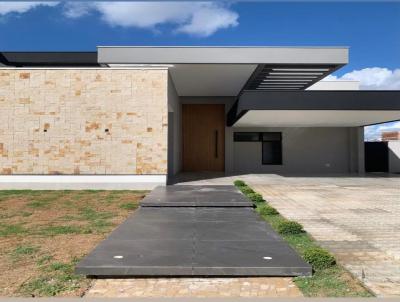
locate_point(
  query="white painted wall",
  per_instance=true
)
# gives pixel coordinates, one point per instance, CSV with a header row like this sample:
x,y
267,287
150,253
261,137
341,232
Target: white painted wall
x,y
394,156
81,182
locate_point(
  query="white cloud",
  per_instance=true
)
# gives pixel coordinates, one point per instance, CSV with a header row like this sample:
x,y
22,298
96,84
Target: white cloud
x,y
21,7
77,9
375,78
195,18
208,19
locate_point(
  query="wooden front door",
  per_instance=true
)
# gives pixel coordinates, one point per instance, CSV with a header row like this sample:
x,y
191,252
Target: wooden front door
x,y
203,137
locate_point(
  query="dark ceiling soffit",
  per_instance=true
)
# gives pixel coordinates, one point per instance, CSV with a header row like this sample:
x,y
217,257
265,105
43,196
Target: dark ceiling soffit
x,y
45,59
313,100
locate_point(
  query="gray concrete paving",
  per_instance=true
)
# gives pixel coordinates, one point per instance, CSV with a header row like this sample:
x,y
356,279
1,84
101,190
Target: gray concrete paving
x,y
187,240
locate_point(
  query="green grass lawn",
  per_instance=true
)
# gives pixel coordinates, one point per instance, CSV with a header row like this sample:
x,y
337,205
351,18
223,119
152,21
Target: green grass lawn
x,y
43,234
334,281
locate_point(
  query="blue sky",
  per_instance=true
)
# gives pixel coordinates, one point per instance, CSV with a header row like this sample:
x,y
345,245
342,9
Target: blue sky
x,y
370,29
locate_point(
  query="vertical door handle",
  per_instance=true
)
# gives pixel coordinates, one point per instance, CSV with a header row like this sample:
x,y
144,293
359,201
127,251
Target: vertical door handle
x,y
216,143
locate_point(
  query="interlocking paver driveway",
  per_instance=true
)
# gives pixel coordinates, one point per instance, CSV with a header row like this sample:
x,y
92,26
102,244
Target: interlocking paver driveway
x,y
357,219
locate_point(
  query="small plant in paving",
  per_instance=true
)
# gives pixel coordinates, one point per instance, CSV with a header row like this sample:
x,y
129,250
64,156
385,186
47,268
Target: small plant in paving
x,y
319,258
255,197
267,210
287,227
246,190
239,183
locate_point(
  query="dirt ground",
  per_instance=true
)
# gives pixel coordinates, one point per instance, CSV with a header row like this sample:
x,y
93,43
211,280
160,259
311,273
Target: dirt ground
x,y
44,233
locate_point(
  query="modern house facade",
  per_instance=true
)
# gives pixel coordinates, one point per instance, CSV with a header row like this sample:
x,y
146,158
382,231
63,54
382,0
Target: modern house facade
x,y
132,117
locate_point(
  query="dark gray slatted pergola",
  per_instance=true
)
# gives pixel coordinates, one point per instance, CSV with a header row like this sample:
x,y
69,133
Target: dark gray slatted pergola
x,y
288,77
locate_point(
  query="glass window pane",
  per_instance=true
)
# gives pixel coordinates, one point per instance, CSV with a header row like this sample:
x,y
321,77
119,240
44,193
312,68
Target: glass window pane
x,y
271,136
246,136
272,153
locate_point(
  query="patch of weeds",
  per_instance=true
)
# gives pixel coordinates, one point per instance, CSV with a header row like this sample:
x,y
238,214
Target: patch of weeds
x,y
42,286
26,214
13,193
6,216
111,197
60,230
23,250
38,204
57,277
129,206
90,214
60,266
44,260
69,218
331,282
68,204
11,229
101,224
91,191
98,220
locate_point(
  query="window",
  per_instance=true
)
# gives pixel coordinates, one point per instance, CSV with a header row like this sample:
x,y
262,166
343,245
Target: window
x,y
271,148
246,137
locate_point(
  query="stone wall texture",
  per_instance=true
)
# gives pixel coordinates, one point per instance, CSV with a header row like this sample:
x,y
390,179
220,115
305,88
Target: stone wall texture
x,y
82,121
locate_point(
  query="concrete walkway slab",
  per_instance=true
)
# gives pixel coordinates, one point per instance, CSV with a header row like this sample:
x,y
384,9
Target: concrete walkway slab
x,y
194,240
195,196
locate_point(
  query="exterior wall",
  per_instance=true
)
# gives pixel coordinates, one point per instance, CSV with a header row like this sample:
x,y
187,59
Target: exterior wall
x,y
174,130
304,151
54,121
394,156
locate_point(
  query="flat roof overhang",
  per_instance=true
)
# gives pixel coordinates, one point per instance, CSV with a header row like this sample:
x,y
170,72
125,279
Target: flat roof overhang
x,y
310,108
221,55
226,71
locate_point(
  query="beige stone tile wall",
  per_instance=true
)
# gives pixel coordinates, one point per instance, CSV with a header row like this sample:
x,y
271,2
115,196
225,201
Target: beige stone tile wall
x,y
54,121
